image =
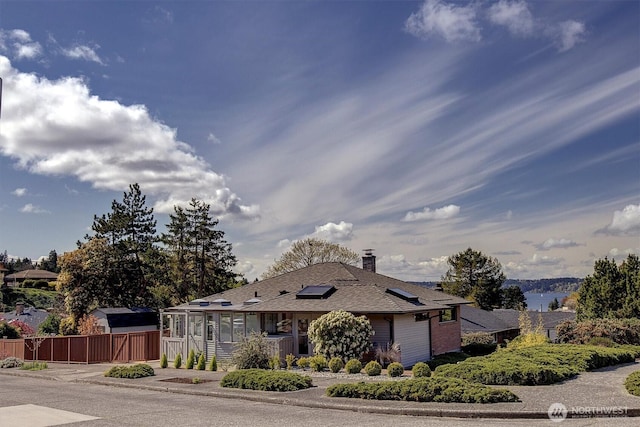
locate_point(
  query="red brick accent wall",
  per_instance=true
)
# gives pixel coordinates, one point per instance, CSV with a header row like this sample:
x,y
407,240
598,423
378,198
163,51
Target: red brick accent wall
x,y
446,336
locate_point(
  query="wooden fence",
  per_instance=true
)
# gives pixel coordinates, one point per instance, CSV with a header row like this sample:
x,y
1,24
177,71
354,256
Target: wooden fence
x,y
124,348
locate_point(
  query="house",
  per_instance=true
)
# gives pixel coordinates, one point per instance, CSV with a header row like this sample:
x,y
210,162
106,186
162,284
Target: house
x,y
475,320
121,319
550,319
16,279
423,322
3,271
31,316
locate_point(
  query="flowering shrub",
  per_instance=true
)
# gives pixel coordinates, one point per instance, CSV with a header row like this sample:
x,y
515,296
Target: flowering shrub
x,y
341,334
23,329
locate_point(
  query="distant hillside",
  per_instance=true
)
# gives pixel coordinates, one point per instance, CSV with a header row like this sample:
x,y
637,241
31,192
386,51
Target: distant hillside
x,y
560,284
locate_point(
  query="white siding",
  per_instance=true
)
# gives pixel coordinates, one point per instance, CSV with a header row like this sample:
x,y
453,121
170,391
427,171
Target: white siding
x,y
413,338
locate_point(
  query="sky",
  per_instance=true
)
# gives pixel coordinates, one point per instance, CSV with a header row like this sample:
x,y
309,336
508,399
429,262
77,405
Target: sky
x,y
415,128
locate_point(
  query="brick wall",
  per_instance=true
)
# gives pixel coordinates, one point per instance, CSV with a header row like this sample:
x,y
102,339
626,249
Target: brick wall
x,y
446,336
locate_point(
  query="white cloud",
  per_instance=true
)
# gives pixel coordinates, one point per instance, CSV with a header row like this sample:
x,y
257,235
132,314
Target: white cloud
x,y
430,270
514,15
213,139
19,192
623,253
626,221
543,260
84,52
57,127
453,23
569,33
284,243
445,212
29,208
18,43
552,243
334,232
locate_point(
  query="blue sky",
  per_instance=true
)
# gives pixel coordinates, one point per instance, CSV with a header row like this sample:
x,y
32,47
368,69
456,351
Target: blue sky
x,y
418,128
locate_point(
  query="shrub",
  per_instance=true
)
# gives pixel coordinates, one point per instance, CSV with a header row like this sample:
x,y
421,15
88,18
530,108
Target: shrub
x,y
257,379
340,334
421,370
34,366
477,338
318,363
601,341
88,325
163,361
373,368
275,362
177,362
213,364
534,365
195,380
50,325
6,330
290,359
423,390
67,326
353,366
202,362
632,383
252,352
335,364
479,349
11,362
303,363
139,370
395,369
447,358
190,359
620,331
388,354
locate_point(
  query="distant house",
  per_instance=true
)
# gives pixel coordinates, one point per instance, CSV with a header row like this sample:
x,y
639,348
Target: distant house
x,y
423,322
475,320
121,319
27,314
550,319
3,271
16,279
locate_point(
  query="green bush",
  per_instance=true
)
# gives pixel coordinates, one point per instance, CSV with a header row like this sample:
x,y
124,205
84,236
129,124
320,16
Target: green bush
x,y
275,363
213,364
395,369
421,370
139,370
11,362
423,390
479,349
252,352
335,364
6,330
191,359
50,325
177,362
447,358
601,341
202,362
34,366
258,379
373,368
534,365
340,334
318,363
632,383
620,331
163,361
303,363
353,366
477,338
290,359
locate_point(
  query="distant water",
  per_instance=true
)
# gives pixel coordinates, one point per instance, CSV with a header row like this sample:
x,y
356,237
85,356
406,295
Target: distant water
x,y
534,301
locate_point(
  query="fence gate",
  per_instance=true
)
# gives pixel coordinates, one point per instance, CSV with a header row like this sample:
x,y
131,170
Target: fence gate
x,y
120,347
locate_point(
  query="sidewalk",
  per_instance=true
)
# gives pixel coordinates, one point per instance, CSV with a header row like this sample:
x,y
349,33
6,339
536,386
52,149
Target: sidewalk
x,y
603,389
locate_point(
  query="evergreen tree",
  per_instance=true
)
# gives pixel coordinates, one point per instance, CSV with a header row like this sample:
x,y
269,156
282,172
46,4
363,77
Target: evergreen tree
x,y
513,297
475,276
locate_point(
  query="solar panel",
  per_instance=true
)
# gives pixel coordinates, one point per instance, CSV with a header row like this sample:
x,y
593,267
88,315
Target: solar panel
x,y
316,292
401,293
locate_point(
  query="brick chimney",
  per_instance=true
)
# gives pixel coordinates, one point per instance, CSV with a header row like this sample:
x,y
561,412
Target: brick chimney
x,y
19,308
369,260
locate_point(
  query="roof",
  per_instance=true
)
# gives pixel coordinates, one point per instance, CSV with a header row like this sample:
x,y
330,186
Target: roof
x,y
474,319
550,319
356,290
121,317
31,274
30,315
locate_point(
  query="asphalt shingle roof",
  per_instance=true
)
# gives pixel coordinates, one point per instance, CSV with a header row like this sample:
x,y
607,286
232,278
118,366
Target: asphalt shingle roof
x,y
477,320
357,290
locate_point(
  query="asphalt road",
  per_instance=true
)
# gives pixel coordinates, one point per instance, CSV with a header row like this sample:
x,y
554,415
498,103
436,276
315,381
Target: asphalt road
x,y
116,406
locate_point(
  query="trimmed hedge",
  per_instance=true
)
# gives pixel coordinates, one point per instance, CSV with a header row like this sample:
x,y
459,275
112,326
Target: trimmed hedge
x,y
632,383
450,390
421,370
353,366
395,369
139,370
258,379
543,364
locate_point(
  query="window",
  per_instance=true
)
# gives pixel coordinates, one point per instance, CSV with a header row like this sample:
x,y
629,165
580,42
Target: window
x,y
225,327
448,315
178,326
277,323
253,324
238,327
210,325
195,325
